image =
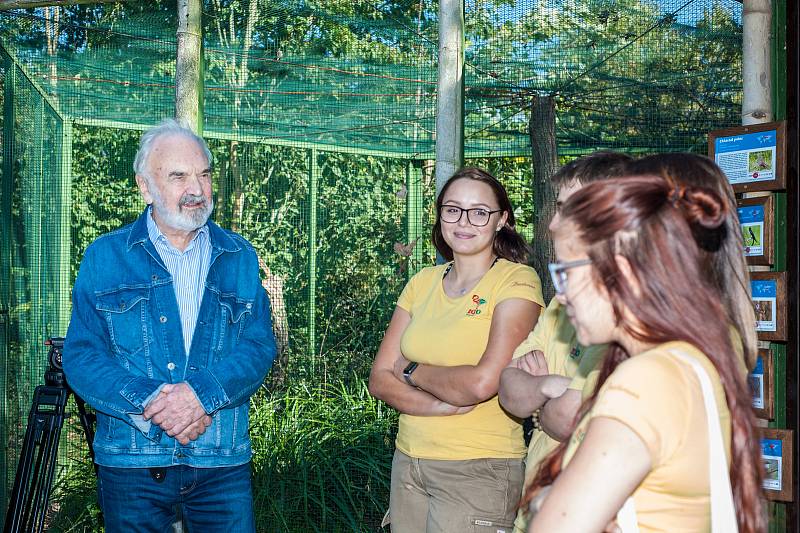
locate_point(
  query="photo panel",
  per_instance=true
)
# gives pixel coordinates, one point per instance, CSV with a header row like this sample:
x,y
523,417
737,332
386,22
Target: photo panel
x,y
761,381
769,303
776,454
752,157
757,220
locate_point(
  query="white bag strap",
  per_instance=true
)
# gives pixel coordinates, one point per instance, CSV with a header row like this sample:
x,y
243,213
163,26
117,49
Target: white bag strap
x,y
723,512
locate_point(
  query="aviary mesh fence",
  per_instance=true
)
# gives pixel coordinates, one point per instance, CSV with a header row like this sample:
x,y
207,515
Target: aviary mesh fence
x,y
320,116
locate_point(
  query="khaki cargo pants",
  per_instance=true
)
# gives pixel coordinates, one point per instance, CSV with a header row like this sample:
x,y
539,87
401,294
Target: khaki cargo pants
x,y
477,495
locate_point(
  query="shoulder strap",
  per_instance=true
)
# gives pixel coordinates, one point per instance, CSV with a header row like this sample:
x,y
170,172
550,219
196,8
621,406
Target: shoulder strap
x,y
723,513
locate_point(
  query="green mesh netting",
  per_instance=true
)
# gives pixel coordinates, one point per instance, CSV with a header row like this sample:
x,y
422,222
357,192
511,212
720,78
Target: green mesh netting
x,y
321,117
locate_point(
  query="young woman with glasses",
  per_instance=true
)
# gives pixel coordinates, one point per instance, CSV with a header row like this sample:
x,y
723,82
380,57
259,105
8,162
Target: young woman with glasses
x,y
631,274
458,464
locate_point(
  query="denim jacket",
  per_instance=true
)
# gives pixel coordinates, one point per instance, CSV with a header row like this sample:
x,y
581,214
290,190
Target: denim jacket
x,y
124,342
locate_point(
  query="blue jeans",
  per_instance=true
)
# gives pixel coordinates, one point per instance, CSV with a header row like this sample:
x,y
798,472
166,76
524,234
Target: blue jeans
x,y
210,499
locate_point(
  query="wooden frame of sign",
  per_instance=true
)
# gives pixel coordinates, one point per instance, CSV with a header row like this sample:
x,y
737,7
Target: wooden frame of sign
x,y
767,386
783,477
745,182
765,205
764,311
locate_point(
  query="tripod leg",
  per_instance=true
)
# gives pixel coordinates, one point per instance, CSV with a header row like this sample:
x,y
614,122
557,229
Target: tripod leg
x,y
48,458
88,421
34,476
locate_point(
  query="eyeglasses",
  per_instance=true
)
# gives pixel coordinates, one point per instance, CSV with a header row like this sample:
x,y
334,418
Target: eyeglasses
x,y
477,216
558,273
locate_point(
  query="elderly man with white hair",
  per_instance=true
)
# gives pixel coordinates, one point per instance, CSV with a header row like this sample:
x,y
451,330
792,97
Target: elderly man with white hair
x,y
170,335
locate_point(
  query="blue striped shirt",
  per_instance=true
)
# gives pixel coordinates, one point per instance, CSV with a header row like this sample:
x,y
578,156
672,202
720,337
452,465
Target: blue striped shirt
x,y
188,269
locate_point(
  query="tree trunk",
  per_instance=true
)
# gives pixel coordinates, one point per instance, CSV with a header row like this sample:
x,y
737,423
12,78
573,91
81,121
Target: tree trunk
x,y
542,131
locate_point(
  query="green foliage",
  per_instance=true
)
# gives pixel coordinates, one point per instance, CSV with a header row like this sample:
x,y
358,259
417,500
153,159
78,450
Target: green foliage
x,y
104,192
322,456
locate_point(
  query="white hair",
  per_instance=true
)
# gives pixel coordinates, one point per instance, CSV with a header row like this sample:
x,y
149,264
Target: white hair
x,y
166,127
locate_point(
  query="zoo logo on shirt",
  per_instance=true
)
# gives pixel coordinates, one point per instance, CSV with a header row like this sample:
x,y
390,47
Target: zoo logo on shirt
x,y
477,301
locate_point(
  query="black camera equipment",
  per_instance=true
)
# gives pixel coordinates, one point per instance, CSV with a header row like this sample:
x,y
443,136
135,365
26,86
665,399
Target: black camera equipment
x,y
29,498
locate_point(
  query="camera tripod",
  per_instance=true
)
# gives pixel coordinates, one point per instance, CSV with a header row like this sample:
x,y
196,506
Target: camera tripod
x,y
29,499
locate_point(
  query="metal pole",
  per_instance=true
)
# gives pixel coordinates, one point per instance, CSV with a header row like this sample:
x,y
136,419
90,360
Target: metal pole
x,y
313,177
6,235
450,95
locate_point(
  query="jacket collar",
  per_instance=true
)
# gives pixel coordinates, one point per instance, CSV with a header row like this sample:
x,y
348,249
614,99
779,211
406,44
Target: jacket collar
x,y
220,240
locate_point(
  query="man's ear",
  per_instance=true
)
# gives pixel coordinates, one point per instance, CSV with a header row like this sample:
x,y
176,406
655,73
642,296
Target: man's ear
x,y
144,189
625,269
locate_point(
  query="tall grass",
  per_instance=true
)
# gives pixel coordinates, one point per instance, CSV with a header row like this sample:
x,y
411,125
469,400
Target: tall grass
x,y
322,460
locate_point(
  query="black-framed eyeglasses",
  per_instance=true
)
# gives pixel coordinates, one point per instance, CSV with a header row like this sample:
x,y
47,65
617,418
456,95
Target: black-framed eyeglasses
x,y
558,273
477,216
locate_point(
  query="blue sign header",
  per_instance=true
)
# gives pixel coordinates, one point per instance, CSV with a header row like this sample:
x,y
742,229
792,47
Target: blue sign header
x,y
750,214
748,141
764,288
759,369
771,447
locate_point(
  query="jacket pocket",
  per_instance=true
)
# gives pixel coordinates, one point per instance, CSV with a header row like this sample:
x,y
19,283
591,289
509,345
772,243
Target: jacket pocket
x,y
234,315
125,311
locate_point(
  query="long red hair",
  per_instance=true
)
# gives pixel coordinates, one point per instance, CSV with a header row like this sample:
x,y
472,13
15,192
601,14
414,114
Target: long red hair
x,y
654,225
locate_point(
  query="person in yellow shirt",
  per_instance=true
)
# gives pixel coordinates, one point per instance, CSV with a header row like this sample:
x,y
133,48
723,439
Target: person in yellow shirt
x,y
723,262
458,464
630,273
547,361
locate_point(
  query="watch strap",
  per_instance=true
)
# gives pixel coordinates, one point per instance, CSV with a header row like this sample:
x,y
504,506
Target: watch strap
x,y
407,371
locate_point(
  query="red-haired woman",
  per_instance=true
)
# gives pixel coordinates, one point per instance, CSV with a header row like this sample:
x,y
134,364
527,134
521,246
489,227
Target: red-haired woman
x,y
629,274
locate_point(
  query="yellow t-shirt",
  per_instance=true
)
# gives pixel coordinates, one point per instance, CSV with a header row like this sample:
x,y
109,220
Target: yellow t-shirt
x,y
555,337
589,369
658,396
448,331
585,379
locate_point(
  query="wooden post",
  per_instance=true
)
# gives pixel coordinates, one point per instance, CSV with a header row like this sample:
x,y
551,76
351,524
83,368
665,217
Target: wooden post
x,y
450,97
541,130
63,241
188,68
756,62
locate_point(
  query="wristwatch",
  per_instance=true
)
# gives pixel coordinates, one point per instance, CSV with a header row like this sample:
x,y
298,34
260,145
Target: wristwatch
x,y
407,373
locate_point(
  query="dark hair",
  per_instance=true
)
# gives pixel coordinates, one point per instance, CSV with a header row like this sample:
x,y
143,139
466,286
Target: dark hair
x,y
593,167
508,244
721,251
649,222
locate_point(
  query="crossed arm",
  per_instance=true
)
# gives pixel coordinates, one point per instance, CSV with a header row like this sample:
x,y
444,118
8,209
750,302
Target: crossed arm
x,y
526,385
450,389
386,386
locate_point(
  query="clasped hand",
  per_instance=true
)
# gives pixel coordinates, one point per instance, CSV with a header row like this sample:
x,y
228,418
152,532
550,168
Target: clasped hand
x,y
178,412
533,362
